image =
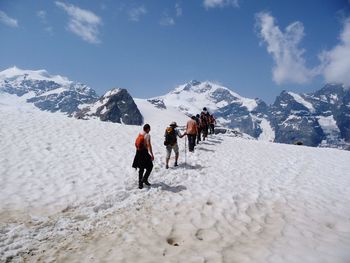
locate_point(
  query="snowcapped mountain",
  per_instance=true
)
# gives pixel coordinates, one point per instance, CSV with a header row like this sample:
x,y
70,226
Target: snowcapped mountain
x,y
232,110
47,92
194,95
115,105
321,118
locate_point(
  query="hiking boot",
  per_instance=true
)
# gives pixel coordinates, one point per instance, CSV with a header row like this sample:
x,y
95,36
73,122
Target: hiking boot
x,y
145,180
140,181
175,164
166,166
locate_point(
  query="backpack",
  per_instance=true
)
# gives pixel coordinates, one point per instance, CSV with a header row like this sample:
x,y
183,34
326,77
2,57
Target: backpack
x,y
140,142
170,136
203,120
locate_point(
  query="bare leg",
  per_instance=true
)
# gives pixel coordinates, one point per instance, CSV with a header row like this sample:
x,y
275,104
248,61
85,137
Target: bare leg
x,y
167,163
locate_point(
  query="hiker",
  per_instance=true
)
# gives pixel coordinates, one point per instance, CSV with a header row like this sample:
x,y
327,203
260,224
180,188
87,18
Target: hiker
x,y
212,123
191,132
171,134
144,155
199,129
204,123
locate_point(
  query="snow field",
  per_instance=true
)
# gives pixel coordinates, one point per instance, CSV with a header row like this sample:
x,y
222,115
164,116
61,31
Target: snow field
x,y
69,194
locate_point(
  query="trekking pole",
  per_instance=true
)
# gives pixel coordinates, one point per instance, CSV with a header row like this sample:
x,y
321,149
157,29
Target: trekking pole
x,y
185,151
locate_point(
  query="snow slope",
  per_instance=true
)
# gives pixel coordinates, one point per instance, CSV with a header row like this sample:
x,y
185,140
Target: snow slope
x,y
68,194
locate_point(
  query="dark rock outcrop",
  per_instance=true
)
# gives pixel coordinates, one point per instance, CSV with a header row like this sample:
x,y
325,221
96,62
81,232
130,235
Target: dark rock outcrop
x,y
115,106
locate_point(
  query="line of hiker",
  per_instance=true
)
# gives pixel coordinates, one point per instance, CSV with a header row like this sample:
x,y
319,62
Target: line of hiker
x,y
197,129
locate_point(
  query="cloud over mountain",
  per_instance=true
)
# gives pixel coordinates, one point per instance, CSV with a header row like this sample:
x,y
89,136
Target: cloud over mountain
x,y
289,63
336,61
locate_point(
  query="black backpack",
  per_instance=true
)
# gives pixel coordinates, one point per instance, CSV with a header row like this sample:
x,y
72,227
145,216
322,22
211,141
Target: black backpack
x,y
170,136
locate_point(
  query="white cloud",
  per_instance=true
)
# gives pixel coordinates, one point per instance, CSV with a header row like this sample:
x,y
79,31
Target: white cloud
x,y
43,18
178,10
220,3
9,21
167,20
336,62
283,46
83,23
136,13
42,15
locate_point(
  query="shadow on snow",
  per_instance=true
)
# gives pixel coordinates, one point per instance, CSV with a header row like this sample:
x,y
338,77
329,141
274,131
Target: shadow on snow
x,y
165,187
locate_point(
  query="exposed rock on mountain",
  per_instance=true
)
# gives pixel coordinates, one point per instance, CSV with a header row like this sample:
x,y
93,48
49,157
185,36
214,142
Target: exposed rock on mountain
x,y
50,93
115,106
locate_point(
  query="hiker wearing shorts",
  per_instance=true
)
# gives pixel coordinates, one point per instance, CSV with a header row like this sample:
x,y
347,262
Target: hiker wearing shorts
x,y
171,134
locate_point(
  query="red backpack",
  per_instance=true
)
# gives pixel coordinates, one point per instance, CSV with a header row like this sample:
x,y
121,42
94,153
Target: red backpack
x,y
140,142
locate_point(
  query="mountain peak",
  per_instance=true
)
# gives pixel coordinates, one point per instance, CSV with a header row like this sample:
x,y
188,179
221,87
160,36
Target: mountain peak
x,y
15,73
197,87
193,82
113,91
192,96
47,92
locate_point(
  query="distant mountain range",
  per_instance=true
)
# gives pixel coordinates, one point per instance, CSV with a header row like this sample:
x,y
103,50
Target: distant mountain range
x,y
51,93
321,118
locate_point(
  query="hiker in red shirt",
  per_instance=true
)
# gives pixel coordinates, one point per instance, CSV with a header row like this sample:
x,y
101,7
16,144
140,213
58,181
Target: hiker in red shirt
x,y
144,155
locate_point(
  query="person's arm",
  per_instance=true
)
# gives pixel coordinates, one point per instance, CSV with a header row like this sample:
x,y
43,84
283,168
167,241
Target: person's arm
x,y
149,148
179,134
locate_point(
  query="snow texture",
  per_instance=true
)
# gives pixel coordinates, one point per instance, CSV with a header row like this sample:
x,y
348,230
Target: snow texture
x,y
302,101
69,194
268,134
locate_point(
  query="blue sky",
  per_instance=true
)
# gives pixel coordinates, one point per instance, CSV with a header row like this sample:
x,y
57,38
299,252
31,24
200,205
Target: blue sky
x,y
256,47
